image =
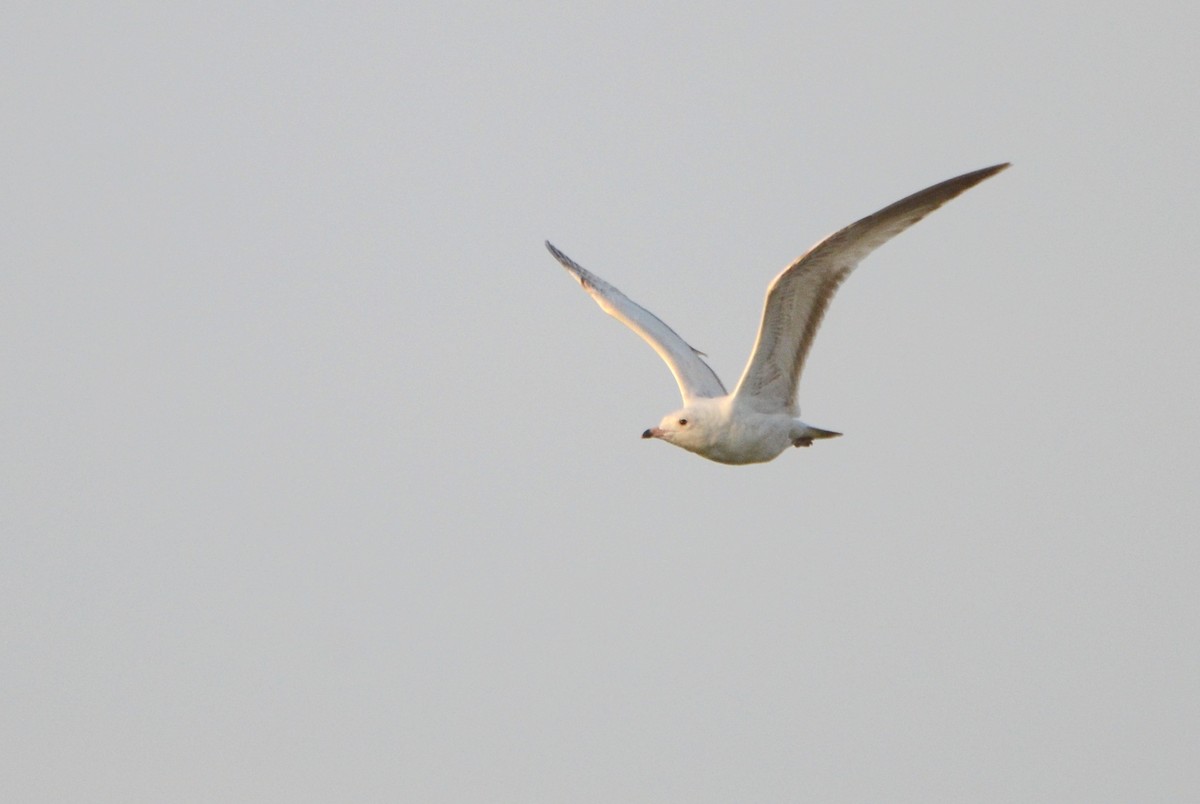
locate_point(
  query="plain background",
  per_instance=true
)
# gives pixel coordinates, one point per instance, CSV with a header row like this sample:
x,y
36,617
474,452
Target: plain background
x,y
322,481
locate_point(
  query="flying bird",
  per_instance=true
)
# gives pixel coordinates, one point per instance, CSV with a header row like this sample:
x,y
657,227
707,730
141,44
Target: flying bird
x,y
759,420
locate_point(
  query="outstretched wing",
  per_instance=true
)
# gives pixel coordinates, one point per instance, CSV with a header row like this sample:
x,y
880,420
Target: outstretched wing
x,y
694,376
798,298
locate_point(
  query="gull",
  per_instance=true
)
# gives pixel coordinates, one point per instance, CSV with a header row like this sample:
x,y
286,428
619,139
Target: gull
x,y
759,420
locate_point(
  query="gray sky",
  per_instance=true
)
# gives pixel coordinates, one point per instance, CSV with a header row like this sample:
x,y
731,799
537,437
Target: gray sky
x,y
322,480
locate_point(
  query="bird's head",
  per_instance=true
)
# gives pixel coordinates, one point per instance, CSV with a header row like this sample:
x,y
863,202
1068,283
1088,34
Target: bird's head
x,y
690,427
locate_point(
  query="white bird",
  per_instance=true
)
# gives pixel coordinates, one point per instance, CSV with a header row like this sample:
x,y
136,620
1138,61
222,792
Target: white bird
x,y
758,421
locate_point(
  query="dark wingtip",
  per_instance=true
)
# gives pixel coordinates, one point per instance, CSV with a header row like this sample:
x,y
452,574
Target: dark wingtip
x,y
572,267
988,172
558,255
968,180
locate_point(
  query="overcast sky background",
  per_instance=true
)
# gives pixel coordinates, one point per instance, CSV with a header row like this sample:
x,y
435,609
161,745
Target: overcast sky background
x,y
322,480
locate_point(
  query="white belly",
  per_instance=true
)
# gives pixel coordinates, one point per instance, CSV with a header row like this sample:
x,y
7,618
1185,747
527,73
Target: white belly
x,y
756,438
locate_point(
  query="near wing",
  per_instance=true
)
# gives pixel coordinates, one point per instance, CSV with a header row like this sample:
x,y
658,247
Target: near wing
x,y
694,376
797,299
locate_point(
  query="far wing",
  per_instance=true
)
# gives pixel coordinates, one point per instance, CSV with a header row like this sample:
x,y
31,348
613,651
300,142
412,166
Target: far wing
x,y
693,375
798,298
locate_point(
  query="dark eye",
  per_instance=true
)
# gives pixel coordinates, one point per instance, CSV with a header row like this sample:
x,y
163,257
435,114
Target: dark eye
x,y
683,422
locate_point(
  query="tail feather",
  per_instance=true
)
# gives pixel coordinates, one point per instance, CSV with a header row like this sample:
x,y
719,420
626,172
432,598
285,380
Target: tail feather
x,y
816,432
810,434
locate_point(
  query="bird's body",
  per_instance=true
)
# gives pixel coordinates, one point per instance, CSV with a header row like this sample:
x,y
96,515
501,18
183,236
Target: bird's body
x,y
759,420
725,430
